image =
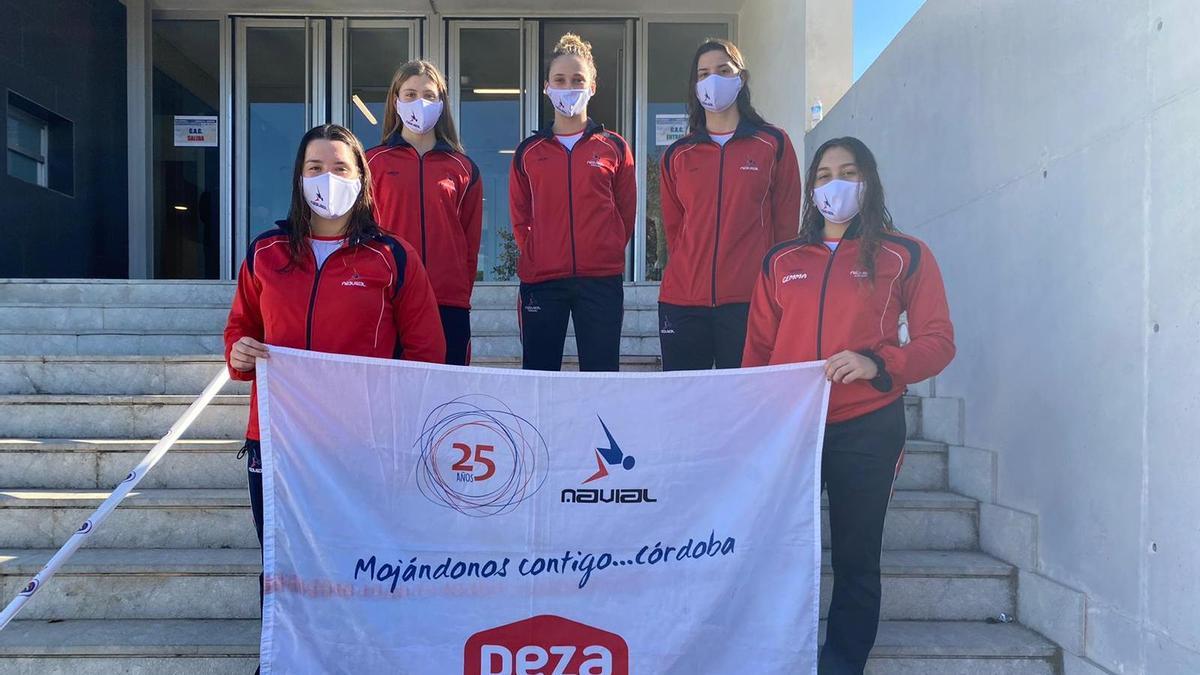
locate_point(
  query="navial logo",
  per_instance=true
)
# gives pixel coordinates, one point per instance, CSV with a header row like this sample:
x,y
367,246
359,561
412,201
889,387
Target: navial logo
x,y
595,161
355,280
609,456
750,165
546,645
319,200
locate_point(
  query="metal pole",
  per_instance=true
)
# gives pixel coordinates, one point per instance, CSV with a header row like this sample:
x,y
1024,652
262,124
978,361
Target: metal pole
x,y
85,530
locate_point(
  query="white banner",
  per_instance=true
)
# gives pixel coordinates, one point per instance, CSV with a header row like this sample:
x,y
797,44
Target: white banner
x,y
428,519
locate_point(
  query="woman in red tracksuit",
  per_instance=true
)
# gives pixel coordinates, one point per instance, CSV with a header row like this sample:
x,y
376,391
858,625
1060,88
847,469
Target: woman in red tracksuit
x,y
428,193
573,198
327,279
730,190
836,293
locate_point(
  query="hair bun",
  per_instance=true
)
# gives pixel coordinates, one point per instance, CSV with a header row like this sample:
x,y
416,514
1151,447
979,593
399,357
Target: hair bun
x,y
572,44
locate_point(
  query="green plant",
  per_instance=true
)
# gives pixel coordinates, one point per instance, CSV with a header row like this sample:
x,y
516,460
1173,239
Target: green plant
x,y
506,268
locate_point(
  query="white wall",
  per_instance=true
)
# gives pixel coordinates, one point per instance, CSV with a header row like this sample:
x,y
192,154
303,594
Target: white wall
x,y
828,53
797,51
1049,152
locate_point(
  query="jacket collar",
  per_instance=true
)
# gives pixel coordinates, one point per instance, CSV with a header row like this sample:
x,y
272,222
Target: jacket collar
x,y
591,128
397,140
744,129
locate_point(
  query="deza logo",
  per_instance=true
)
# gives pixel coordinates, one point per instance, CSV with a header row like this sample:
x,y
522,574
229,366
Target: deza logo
x,y
609,456
546,645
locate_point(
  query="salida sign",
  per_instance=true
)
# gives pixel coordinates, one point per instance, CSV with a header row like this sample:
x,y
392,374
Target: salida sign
x,y
546,645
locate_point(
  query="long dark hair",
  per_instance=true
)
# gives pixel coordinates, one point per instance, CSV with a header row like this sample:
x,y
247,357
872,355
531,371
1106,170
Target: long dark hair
x,y
361,226
444,129
872,221
696,118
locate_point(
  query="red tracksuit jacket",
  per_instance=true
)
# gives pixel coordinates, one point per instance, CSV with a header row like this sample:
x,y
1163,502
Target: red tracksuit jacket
x,y
373,299
572,211
811,303
723,208
434,202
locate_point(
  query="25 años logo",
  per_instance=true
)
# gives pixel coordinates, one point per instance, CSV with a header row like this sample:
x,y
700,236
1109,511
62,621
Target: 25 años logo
x,y
479,457
606,457
546,645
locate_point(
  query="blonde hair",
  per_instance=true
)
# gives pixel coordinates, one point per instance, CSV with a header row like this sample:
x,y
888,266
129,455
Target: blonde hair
x,y
444,129
571,44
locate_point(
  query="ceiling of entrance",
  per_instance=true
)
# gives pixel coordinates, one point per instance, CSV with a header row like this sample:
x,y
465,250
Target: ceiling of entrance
x,y
451,7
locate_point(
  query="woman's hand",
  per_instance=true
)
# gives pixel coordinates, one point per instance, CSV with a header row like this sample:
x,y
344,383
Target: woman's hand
x,y
846,367
244,352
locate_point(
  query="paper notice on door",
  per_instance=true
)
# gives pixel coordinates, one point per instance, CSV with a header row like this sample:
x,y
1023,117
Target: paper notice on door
x,y
196,131
669,128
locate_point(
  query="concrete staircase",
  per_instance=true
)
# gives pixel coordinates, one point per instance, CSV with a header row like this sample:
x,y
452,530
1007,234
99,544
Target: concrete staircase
x,y
91,372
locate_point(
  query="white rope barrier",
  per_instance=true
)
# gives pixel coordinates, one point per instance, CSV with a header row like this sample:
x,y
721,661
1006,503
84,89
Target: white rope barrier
x,y
131,480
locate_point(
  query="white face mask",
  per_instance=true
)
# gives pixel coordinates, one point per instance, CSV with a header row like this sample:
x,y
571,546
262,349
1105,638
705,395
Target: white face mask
x,y
717,92
569,102
419,115
331,196
839,200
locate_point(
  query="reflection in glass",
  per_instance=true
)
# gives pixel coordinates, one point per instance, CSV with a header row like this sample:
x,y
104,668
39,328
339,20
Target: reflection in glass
x,y
276,93
187,198
490,126
670,47
374,56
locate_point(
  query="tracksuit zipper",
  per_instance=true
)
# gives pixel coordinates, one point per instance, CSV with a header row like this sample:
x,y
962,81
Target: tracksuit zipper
x,y
421,196
821,304
717,236
571,209
312,298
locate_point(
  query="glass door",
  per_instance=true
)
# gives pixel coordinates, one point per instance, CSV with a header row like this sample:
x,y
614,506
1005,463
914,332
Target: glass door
x,y
189,201
488,96
366,54
496,73
612,105
291,75
280,73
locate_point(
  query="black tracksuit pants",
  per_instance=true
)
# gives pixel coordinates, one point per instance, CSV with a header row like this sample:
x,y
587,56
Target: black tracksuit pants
x,y
698,338
252,450
456,324
595,304
860,460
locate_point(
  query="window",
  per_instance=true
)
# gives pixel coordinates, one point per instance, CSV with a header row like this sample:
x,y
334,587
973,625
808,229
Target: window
x,y
27,140
39,145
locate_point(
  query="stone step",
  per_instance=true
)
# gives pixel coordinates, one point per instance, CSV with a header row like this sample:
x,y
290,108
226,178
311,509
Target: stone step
x,y
101,464
204,647
133,375
105,342
57,319
220,518
159,292
223,584
150,416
